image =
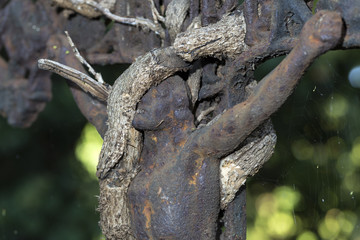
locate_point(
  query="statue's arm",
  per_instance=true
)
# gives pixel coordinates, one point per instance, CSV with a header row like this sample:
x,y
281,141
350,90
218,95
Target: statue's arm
x,y
222,135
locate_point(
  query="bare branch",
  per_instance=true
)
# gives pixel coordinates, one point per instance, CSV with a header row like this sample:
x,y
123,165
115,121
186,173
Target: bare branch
x,y
156,15
155,27
245,162
175,16
204,113
97,75
194,82
146,71
85,82
224,38
84,9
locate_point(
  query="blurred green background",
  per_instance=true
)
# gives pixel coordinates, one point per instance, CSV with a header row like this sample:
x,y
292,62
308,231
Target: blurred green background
x,y
310,188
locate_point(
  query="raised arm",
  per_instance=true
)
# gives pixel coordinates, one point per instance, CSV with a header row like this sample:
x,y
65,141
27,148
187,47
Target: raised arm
x,y
222,135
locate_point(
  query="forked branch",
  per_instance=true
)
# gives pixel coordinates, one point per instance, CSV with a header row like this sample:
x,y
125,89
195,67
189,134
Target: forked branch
x,y
85,82
97,88
142,22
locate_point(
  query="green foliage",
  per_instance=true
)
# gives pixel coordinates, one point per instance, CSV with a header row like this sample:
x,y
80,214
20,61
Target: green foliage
x,y
309,189
46,193
88,149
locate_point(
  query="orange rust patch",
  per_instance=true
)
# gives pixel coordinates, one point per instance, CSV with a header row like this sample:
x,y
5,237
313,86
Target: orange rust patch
x,y
193,179
185,127
314,40
147,185
148,211
171,114
152,166
153,93
182,143
198,164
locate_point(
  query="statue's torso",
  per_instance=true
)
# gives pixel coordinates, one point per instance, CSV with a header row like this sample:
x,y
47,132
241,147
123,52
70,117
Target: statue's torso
x,y
176,196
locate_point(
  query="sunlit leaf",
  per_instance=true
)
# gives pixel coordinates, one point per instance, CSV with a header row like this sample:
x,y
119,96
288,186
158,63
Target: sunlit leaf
x,y
88,148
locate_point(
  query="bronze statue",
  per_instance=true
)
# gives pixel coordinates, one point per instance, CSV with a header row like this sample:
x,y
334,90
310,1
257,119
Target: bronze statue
x,y
179,181
176,194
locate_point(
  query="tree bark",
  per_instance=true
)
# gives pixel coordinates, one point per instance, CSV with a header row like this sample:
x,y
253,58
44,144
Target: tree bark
x,y
212,45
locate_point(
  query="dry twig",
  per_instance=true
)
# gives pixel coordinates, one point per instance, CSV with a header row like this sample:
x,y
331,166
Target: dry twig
x,y
85,82
98,89
154,26
204,113
156,15
97,75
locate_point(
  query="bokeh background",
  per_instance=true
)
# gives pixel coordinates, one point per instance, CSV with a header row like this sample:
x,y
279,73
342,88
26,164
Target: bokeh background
x,y
309,189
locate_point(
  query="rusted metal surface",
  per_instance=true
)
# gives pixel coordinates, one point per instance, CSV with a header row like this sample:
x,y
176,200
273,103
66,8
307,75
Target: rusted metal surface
x,y
24,89
350,11
321,33
270,21
257,26
227,84
175,195
179,181
272,27
123,43
276,30
235,218
209,12
85,40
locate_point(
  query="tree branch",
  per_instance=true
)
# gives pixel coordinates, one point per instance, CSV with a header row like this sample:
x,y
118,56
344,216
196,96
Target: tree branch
x,y
127,91
146,23
85,82
97,75
156,15
224,38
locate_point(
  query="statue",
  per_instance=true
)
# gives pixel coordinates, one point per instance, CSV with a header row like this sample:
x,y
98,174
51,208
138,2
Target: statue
x,y
176,193
181,176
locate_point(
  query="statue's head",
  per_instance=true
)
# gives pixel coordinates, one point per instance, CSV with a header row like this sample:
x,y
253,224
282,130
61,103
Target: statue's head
x,y
163,106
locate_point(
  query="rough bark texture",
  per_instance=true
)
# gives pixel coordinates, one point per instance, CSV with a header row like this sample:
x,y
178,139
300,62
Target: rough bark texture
x,y
176,13
225,38
194,167
81,7
245,162
241,39
123,143
147,71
